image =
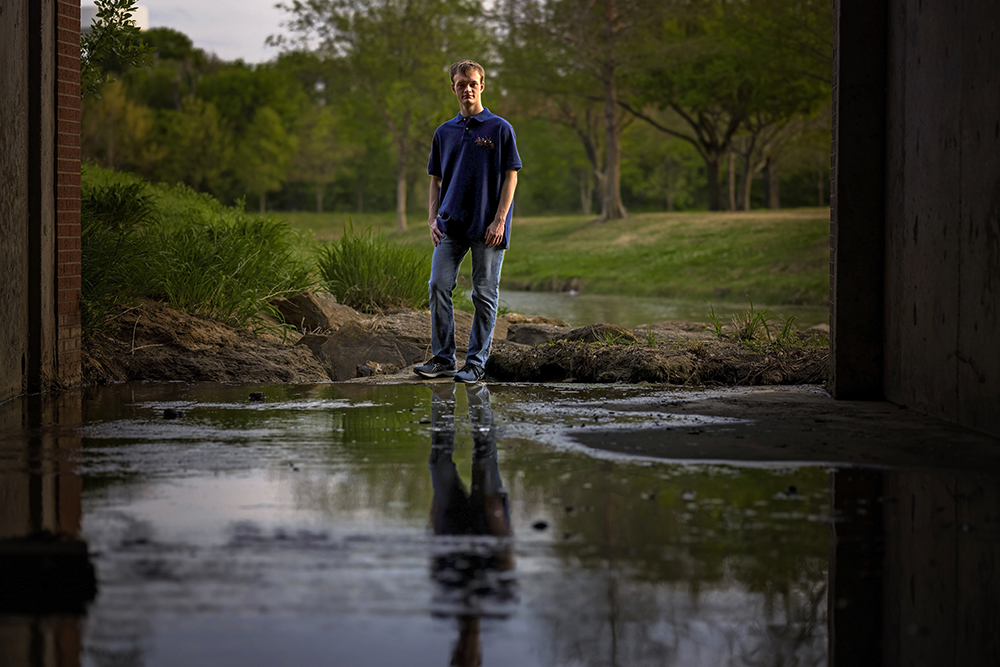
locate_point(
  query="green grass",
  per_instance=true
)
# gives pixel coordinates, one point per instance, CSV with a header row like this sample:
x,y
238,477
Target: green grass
x,y
775,257
171,243
370,273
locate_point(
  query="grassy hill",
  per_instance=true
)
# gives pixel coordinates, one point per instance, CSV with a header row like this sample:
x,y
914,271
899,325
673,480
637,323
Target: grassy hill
x,y
775,257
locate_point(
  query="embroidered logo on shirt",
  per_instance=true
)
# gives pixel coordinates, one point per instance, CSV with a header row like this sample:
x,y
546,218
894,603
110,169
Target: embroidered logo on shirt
x,y
485,142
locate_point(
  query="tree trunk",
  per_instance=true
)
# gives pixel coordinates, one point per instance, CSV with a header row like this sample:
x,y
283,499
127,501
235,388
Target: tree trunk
x,y
714,192
612,207
772,184
263,201
747,184
586,194
319,196
732,181
361,196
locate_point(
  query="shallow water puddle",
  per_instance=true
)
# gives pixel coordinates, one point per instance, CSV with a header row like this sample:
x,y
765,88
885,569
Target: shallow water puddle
x,y
434,524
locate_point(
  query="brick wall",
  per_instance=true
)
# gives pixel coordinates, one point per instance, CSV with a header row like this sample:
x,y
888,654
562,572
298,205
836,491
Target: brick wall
x,y
67,184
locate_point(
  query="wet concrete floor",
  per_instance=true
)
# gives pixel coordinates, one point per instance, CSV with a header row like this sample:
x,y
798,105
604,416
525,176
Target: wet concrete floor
x,y
436,524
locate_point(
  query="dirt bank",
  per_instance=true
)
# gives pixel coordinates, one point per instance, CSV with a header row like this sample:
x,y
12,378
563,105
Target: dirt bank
x,y
155,343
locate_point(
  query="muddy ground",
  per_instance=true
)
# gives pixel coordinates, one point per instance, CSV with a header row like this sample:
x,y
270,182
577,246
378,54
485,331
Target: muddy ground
x,y
153,342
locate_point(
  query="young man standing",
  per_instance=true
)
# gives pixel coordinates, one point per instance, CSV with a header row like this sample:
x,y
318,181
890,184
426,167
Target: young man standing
x,y
473,169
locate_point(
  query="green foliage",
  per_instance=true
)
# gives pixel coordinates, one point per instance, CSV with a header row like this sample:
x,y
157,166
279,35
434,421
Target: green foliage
x,y
113,43
779,257
401,85
113,247
369,273
262,157
752,324
716,324
200,145
172,243
227,267
752,328
360,94
651,339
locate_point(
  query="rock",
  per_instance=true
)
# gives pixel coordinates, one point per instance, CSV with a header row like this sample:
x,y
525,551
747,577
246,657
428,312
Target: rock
x,y
564,361
277,332
538,334
257,396
601,333
312,312
517,318
383,344
370,368
415,327
358,343
534,334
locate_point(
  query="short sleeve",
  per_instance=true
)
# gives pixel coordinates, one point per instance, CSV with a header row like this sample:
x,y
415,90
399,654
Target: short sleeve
x,y
510,159
434,164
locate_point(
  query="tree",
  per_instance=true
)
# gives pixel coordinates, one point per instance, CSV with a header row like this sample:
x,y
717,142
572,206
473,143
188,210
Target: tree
x,y
238,91
198,143
716,77
322,150
117,133
263,155
579,49
397,53
111,45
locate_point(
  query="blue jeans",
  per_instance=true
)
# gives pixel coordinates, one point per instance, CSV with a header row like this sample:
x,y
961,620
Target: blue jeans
x,y
486,263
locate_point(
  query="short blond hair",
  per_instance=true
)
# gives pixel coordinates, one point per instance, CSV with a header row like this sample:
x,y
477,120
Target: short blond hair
x,y
465,66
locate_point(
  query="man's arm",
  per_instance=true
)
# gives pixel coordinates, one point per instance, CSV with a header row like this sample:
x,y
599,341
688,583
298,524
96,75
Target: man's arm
x,y
494,233
432,210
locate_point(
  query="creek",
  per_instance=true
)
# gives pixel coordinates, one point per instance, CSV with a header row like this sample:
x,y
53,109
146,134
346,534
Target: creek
x,y
633,311
424,524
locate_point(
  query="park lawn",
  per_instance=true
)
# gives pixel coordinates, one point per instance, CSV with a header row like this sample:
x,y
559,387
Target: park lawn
x,y
775,257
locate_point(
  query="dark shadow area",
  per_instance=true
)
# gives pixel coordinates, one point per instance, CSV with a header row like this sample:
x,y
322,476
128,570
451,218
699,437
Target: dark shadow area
x,y
914,576
46,575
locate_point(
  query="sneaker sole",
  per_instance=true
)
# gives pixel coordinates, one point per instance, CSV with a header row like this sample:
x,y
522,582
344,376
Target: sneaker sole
x,y
431,376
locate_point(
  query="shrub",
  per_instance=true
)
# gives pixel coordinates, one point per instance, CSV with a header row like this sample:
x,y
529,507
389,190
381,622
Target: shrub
x,y
228,268
114,221
172,243
369,273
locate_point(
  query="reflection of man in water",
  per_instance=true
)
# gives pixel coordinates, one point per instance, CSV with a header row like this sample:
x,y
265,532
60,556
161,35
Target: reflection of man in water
x,y
474,575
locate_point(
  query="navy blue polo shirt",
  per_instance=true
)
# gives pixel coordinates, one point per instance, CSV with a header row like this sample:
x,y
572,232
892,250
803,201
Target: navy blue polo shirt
x,y
470,156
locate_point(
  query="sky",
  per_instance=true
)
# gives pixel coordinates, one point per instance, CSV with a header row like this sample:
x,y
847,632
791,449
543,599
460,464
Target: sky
x,y
230,28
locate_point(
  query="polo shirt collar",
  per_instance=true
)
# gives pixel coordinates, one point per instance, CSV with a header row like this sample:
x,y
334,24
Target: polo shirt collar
x,y
480,117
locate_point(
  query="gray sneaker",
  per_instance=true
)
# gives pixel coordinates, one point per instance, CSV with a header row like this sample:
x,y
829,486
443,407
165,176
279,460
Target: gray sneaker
x,y
434,369
470,374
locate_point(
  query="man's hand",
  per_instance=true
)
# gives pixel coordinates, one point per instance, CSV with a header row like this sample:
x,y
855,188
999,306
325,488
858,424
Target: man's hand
x,y
494,233
436,233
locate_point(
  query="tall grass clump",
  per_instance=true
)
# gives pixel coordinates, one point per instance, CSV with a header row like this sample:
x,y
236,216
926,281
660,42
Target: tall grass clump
x,y
369,273
228,266
114,223
171,243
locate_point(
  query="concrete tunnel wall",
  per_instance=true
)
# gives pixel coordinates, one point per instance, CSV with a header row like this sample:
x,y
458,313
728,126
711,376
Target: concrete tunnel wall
x,y
915,235
40,195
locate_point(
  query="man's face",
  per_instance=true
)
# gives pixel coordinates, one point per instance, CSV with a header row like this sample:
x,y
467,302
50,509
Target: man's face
x,y
468,86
